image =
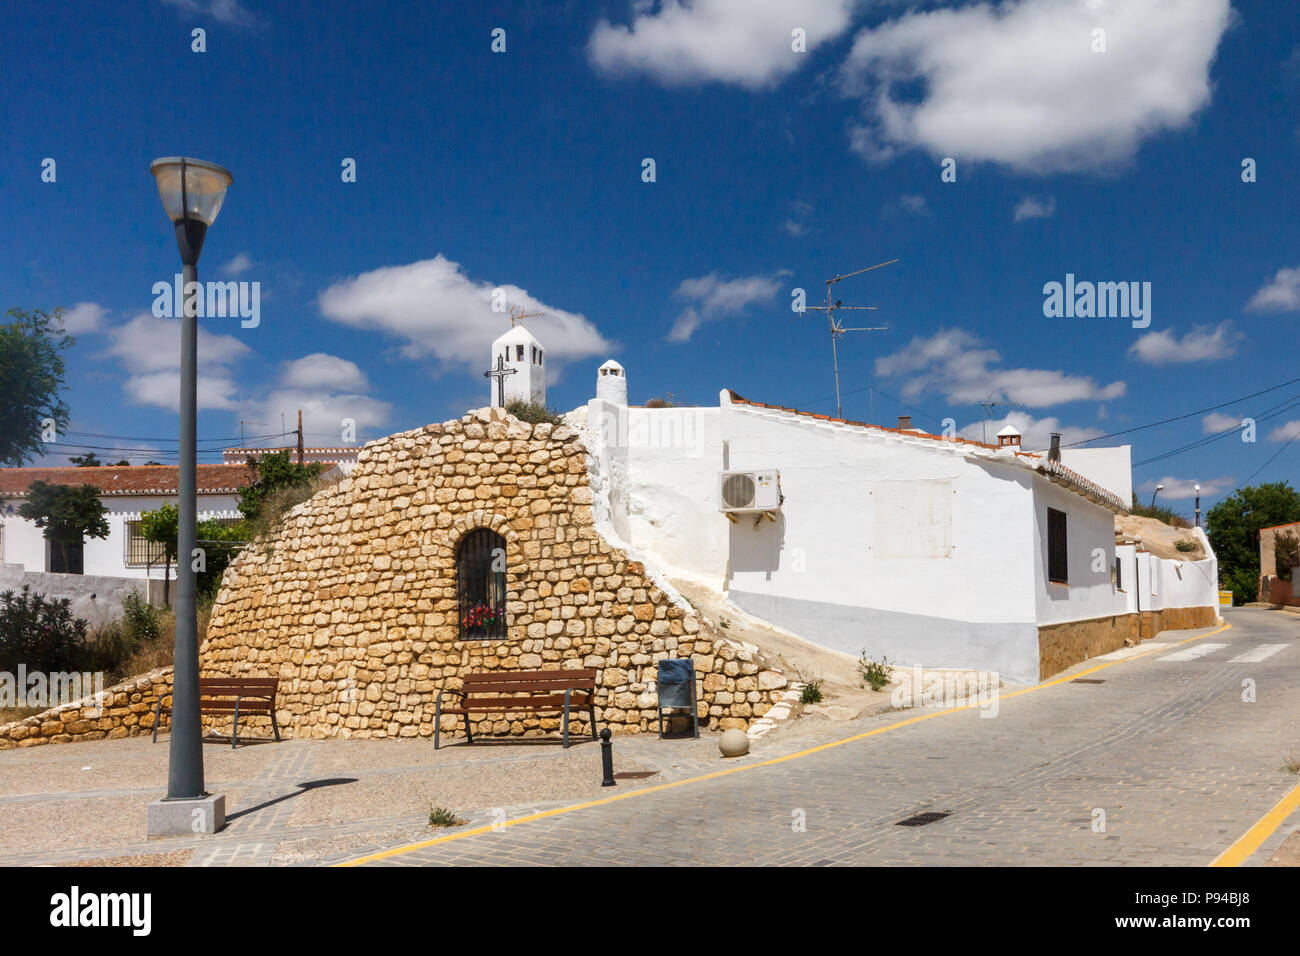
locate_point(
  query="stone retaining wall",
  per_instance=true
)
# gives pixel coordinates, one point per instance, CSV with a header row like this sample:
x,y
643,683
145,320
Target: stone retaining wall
x,y
1061,646
126,711
353,601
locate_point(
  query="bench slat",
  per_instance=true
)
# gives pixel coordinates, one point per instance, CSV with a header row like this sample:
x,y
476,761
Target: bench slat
x,y
522,677
541,687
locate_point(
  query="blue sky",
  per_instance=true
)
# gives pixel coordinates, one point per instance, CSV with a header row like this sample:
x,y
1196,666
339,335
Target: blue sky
x,y
774,169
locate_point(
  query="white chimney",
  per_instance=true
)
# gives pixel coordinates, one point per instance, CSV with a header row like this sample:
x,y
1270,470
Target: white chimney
x,y
611,383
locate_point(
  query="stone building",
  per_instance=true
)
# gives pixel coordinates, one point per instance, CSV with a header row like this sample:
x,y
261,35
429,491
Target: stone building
x,y
462,547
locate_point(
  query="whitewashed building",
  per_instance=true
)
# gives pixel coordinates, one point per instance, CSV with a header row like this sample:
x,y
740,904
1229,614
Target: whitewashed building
x,y
889,541
127,492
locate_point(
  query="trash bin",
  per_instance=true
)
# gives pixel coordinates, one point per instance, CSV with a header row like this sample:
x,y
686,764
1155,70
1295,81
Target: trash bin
x,y
676,683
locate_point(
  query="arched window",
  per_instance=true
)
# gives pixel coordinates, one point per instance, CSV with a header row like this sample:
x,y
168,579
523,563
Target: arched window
x,y
481,585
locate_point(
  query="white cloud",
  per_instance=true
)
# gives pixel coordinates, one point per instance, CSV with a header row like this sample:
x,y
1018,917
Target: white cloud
x,y
713,297
223,11
1282,294
150,348
1285,432
745,42
1178,489
1201,344
915,204
1219,422
323,412
952,362
441,312
1032,208
238,265
1035,433
797,224
1019,83
84,317
321,371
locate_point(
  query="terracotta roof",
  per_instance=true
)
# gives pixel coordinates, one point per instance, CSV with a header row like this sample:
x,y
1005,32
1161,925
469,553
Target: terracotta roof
x,y
292,449
127,479
1053,470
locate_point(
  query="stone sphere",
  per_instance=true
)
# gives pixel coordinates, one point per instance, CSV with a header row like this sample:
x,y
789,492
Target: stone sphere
x,y
734,743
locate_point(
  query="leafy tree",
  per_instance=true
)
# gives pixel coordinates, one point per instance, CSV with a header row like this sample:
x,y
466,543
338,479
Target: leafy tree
x,y
1286,554
274,473
153,463
159,526
1233,529
123,462
86,461
219,541
31,374
39,632
68,513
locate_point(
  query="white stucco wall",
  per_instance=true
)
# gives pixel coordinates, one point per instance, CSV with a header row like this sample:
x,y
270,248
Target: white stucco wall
x,y
1112,467
24,543
1090,540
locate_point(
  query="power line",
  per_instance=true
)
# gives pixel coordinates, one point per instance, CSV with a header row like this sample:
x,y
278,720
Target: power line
x,y
1271,412
1293,437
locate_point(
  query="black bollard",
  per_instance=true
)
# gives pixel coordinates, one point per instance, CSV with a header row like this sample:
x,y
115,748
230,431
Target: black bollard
x,y
607,758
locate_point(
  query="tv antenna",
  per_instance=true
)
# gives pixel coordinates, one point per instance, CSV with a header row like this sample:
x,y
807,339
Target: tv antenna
x,y
837,329
517,315
986,413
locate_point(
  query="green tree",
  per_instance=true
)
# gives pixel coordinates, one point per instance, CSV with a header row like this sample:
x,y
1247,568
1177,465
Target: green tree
x,y
1233,529
31,374
273,474
85,461
159,526
219,541
68,513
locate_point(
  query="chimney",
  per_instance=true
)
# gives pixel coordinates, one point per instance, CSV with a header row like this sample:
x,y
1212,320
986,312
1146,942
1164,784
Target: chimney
x,y
1054,453
904,422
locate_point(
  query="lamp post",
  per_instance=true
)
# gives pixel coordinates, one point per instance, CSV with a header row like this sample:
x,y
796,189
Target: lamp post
x,y
1197,488
1159,488
192,191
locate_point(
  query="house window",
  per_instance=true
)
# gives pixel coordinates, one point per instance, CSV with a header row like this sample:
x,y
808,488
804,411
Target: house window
x,y
140,552
1057,563
519,353
481,585
65,557
1117,574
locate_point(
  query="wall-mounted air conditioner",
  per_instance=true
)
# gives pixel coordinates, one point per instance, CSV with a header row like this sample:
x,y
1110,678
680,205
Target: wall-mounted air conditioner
x,y
749,491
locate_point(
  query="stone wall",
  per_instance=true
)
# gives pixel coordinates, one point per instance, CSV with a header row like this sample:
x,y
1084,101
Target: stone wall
x,y
127,711
1061,646
353,603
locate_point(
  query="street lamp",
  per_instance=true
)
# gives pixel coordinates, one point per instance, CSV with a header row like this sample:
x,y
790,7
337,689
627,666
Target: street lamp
x,y
1159,488
192,191
1197,488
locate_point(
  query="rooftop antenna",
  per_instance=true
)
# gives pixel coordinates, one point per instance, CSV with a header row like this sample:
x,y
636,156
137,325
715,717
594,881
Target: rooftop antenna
x,y
242,423
830,308
517,315
986,413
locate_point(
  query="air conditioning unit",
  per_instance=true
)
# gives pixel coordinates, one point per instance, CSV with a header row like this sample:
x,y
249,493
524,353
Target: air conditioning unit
x,y
741,491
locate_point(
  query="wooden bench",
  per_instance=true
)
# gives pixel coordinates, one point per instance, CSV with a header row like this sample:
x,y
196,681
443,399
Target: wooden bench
x,y
534,691
240,696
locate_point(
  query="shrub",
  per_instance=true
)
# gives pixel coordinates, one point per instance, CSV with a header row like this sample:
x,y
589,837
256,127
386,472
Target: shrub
x,y
811,693
39,633
442,817
1186,544
534,413
1286,554
877,674
139,619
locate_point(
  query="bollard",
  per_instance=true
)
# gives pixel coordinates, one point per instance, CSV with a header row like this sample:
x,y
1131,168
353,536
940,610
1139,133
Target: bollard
x,y
607,758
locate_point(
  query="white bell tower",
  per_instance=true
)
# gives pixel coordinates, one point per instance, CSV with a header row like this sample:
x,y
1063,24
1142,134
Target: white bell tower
x,y
611,383
518,369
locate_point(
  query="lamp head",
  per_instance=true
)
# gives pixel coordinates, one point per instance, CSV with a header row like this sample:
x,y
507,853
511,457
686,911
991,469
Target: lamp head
x,y
192,191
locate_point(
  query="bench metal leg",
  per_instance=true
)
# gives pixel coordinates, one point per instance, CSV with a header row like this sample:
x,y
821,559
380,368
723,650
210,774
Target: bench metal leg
x,y
157,713
275,726
469,735
437,722
234,729
695,710
591,712
566,717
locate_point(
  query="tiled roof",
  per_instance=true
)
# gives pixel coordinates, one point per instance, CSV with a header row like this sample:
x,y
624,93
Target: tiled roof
x,y
1053,470
239,454
127,479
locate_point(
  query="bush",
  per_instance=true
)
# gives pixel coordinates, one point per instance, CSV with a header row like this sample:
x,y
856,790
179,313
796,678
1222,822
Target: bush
x,y
534,413
877,674
139,619
1286,554
811,693
39,633
1186,544
442,817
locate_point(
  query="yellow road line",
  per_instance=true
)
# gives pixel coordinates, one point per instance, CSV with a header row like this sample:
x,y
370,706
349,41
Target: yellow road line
x,y
398,851
1253,839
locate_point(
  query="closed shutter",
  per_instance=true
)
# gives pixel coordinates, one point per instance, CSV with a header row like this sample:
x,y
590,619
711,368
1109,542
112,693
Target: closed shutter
x,y
1058,566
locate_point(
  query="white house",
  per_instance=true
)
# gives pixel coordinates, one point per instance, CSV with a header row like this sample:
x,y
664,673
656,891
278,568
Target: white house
x,y
926,550
127,492
518,368
344,457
